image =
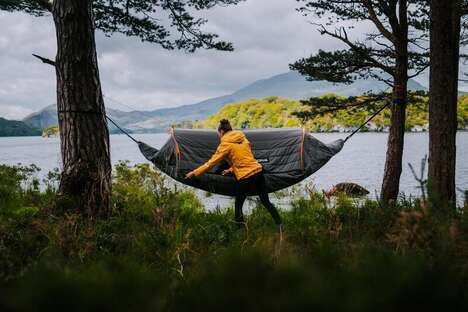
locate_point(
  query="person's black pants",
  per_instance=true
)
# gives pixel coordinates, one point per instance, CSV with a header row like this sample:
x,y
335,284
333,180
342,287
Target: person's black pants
x,y
254,185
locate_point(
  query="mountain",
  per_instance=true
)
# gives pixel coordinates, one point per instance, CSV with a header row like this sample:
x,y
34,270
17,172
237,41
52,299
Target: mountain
x,y
42,119
16,128
47,117
294,86
275,112
288,85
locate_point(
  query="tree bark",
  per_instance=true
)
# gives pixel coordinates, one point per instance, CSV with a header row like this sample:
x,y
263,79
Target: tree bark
x,y
86,178
443,85
395,144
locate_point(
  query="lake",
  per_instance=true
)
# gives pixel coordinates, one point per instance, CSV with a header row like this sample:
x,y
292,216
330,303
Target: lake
x,y
361,161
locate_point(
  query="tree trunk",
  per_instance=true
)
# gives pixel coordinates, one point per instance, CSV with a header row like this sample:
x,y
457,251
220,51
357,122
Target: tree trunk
x,y
393,162
86,178
443,85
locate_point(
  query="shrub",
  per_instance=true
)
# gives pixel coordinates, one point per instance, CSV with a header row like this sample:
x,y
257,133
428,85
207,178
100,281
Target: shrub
x,y
161,250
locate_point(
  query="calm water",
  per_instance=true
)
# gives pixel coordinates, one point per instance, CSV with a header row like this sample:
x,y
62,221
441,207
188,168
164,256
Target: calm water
x,y
361,160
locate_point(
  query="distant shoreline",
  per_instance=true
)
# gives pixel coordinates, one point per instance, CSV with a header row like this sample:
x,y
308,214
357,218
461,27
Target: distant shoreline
x,y
159,132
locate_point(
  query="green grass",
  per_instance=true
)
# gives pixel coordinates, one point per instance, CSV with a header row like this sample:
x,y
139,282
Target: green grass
x,y
161,250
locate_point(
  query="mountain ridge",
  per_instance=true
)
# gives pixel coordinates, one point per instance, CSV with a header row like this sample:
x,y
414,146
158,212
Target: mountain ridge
x,y
287,85
16,128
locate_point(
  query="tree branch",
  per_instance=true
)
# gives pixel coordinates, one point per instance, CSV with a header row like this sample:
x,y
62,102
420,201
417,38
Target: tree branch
x,y
419,71
357,49
374,18
44,4
464,8
45,60
322,106
196,34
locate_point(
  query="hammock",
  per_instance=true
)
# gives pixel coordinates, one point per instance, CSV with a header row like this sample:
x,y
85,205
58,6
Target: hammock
x,y
288,156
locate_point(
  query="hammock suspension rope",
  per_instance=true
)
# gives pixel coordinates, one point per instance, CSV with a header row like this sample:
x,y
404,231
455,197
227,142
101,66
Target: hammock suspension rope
x,y
288,156
345,140
368,119
121,129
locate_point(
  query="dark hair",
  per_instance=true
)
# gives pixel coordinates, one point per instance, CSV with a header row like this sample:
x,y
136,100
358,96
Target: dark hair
x,y
224,125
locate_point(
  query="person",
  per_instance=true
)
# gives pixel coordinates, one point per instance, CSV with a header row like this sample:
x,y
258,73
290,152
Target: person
x,y
236,150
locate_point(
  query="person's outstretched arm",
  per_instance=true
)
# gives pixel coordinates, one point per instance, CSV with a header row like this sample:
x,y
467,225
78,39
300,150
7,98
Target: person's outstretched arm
x,y
221,152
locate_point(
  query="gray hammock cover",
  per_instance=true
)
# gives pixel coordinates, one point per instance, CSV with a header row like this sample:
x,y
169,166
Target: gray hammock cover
x,y
288,156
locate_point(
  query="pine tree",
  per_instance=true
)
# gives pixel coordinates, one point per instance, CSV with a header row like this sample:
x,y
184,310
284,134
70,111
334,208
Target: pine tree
x,y
393,52
445,54
86,178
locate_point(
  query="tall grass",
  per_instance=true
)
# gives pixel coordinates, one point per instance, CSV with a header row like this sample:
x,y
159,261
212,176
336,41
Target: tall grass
x,y
161,250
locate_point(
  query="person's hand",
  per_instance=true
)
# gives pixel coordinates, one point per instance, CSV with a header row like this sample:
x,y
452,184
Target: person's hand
x,y
226,172
190,175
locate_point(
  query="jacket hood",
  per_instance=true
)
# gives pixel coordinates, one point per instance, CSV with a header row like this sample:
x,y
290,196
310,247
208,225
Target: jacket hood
x,y
234,136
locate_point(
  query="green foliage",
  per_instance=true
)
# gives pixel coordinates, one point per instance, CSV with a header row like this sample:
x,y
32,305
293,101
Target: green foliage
x,y
375,55
271,112
34,7
277,112
19,188
51,131
160,250
143,188
462,112
171,24
16,128
334,66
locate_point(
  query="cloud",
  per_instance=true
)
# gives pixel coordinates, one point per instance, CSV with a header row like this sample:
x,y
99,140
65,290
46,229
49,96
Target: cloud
x,y
267,36
13,111
25,83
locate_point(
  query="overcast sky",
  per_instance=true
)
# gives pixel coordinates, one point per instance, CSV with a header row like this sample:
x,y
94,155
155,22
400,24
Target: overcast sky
x,y
267,36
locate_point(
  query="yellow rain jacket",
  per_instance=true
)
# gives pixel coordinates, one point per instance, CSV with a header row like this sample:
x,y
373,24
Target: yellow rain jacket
x,y
236,150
